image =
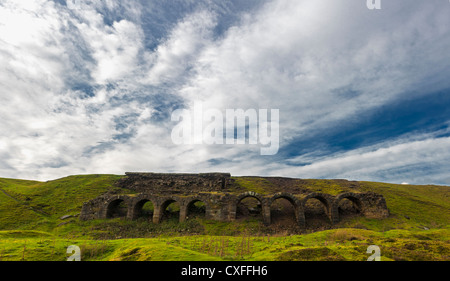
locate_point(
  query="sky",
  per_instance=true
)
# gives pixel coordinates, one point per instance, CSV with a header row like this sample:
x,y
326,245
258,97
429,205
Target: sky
x,y
90,87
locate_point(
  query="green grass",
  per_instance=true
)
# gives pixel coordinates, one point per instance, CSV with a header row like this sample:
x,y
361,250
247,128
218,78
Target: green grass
x,y
330,245
258,185
426,206
31,228
273,185
38,205
327,186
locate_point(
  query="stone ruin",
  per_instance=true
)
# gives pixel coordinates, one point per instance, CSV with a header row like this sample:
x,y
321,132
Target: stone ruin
x,y
221,199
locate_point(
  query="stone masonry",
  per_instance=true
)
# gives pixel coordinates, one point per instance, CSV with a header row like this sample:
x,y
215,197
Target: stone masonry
x,y
214,190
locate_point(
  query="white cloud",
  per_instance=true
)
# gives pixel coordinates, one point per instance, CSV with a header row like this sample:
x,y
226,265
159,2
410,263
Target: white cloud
x,y
322,63
173,57
432,150
115,48
292,56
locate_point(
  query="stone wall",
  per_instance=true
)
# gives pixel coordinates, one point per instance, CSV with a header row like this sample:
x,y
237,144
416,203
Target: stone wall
x,y
176,183
220,204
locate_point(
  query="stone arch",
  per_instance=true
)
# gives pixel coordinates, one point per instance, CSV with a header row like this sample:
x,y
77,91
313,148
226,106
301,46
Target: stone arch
x,y
117,206
327,202
353,197
162,206
191,201
291,198
138,205
265,210
296,204
244,195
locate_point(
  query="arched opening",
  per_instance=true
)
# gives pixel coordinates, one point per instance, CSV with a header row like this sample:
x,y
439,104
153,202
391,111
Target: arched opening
x,y
282,213
196,209
249,207
316,213
349,207
117,209
144,210
171,210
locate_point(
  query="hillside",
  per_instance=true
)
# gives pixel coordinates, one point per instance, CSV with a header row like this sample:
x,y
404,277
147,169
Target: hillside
x,y
43,216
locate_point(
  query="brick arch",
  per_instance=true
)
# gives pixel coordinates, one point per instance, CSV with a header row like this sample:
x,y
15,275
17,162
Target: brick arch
x,y
112,203
139,202
296,203
326,199
354,197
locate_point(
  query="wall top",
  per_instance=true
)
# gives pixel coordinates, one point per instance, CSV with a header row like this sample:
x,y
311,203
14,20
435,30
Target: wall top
x,y
160,175
181,182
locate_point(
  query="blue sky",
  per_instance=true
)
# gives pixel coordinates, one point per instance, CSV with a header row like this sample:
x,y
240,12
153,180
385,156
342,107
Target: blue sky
x,y
362,94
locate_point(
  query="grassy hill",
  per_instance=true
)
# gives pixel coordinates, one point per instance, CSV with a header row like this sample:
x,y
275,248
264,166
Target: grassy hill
x,y
32,228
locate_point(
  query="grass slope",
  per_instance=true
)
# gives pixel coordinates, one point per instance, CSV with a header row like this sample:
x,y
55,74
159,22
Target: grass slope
x,y
38,205
31,228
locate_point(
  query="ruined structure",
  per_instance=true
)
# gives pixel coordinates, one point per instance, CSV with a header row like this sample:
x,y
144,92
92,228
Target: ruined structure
x,y
220,197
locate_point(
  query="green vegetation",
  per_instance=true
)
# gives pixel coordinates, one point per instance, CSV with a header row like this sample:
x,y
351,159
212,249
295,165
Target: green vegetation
x,y
414,206
336,244
258,185
332,187
32,228
38,205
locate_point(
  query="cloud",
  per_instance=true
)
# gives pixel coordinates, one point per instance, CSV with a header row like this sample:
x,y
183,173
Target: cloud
x,y
110,45
171,60
289,56
91,90
384,163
